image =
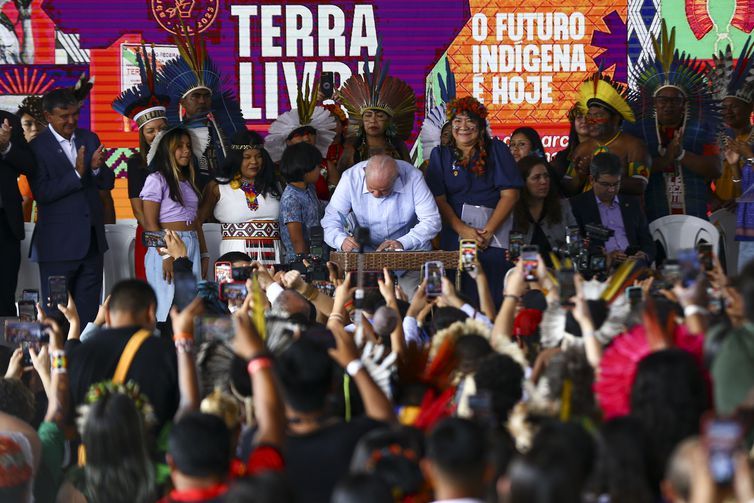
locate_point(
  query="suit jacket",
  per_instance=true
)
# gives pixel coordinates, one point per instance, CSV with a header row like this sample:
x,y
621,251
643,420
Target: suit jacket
x,y
18,161
69,206
584,207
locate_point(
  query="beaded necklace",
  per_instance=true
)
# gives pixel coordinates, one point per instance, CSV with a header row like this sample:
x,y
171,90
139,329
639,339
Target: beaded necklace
x,y
249,191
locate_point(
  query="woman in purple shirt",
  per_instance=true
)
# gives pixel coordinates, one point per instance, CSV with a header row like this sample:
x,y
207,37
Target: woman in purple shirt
x,y
171,200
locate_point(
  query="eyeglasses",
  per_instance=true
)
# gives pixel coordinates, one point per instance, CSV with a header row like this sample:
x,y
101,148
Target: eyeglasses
x,y
668,100
468,124
608,186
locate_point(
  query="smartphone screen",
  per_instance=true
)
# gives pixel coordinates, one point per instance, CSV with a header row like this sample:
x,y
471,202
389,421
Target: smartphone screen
x,y
634,295
185,289
223,272
326,84
234,292
26,334
32,295
598,263
567,286
58,287
153,239
369,279
722,437
433,273
515,242
671,271
241,273
573,240
213,328
530,256
467,251
27,310
688,262
705,256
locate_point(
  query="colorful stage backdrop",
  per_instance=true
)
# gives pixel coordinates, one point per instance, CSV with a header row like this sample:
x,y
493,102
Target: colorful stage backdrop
x,y
523,59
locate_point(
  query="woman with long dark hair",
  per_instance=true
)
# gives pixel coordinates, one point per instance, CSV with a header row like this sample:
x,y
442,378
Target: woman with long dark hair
x,y
474,170
248,207
540,215
171,200
137,176
115,441
525,141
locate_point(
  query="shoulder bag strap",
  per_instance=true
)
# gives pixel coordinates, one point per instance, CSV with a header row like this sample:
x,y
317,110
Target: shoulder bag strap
x,y
129,352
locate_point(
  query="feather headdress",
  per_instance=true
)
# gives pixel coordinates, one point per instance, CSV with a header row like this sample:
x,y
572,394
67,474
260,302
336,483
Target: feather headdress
x,y
376,90
620,360
670,68
306,113
602,91
437,118
192,71
733,80
141,103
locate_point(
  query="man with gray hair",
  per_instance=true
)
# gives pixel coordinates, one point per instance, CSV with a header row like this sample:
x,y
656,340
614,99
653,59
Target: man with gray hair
x,y
624,215
391,199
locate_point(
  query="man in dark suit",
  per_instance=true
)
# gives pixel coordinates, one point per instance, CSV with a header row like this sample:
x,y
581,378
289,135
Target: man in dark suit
x,y
69,238
624,214
15,159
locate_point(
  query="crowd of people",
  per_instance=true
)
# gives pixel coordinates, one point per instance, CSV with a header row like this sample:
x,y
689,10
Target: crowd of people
x,y
565,357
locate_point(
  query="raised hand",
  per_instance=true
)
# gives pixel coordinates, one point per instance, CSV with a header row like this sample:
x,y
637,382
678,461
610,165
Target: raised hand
x,y
80,164
98,158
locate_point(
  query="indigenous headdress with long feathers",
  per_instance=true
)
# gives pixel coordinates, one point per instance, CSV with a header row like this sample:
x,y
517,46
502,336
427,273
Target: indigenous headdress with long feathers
x,y
306,113
376,90
733,80
437,117
141,103
192,71
670,68
602,91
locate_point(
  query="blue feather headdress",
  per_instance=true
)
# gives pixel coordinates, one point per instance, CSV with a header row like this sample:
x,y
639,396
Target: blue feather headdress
x,y
669,68
142,103
192,71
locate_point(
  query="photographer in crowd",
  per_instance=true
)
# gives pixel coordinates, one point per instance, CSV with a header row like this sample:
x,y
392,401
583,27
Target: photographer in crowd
x,y
623,215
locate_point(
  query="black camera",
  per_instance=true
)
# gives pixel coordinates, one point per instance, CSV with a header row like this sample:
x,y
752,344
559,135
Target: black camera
x,y
598,234
586,252
316,270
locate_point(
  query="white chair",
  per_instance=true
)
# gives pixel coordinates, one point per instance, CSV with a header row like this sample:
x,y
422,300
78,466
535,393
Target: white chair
x,y
119,258
679,232
213,237
28,273
725,222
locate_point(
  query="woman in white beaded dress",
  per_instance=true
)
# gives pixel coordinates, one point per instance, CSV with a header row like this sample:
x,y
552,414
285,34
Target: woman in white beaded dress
x,y
248,206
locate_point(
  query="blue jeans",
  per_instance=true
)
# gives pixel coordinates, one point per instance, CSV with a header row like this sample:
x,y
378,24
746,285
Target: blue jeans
x,y
745,254
153,266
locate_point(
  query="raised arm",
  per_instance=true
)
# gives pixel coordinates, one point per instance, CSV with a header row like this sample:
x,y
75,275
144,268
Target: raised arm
x,y
183,335
268,406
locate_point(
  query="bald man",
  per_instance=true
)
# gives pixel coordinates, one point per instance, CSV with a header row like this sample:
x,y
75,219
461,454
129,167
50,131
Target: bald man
x,y
391,199
388,197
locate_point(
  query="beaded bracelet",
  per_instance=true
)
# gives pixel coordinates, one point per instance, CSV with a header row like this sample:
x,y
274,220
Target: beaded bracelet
x,y
258,364
182,335
184,345
58,362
